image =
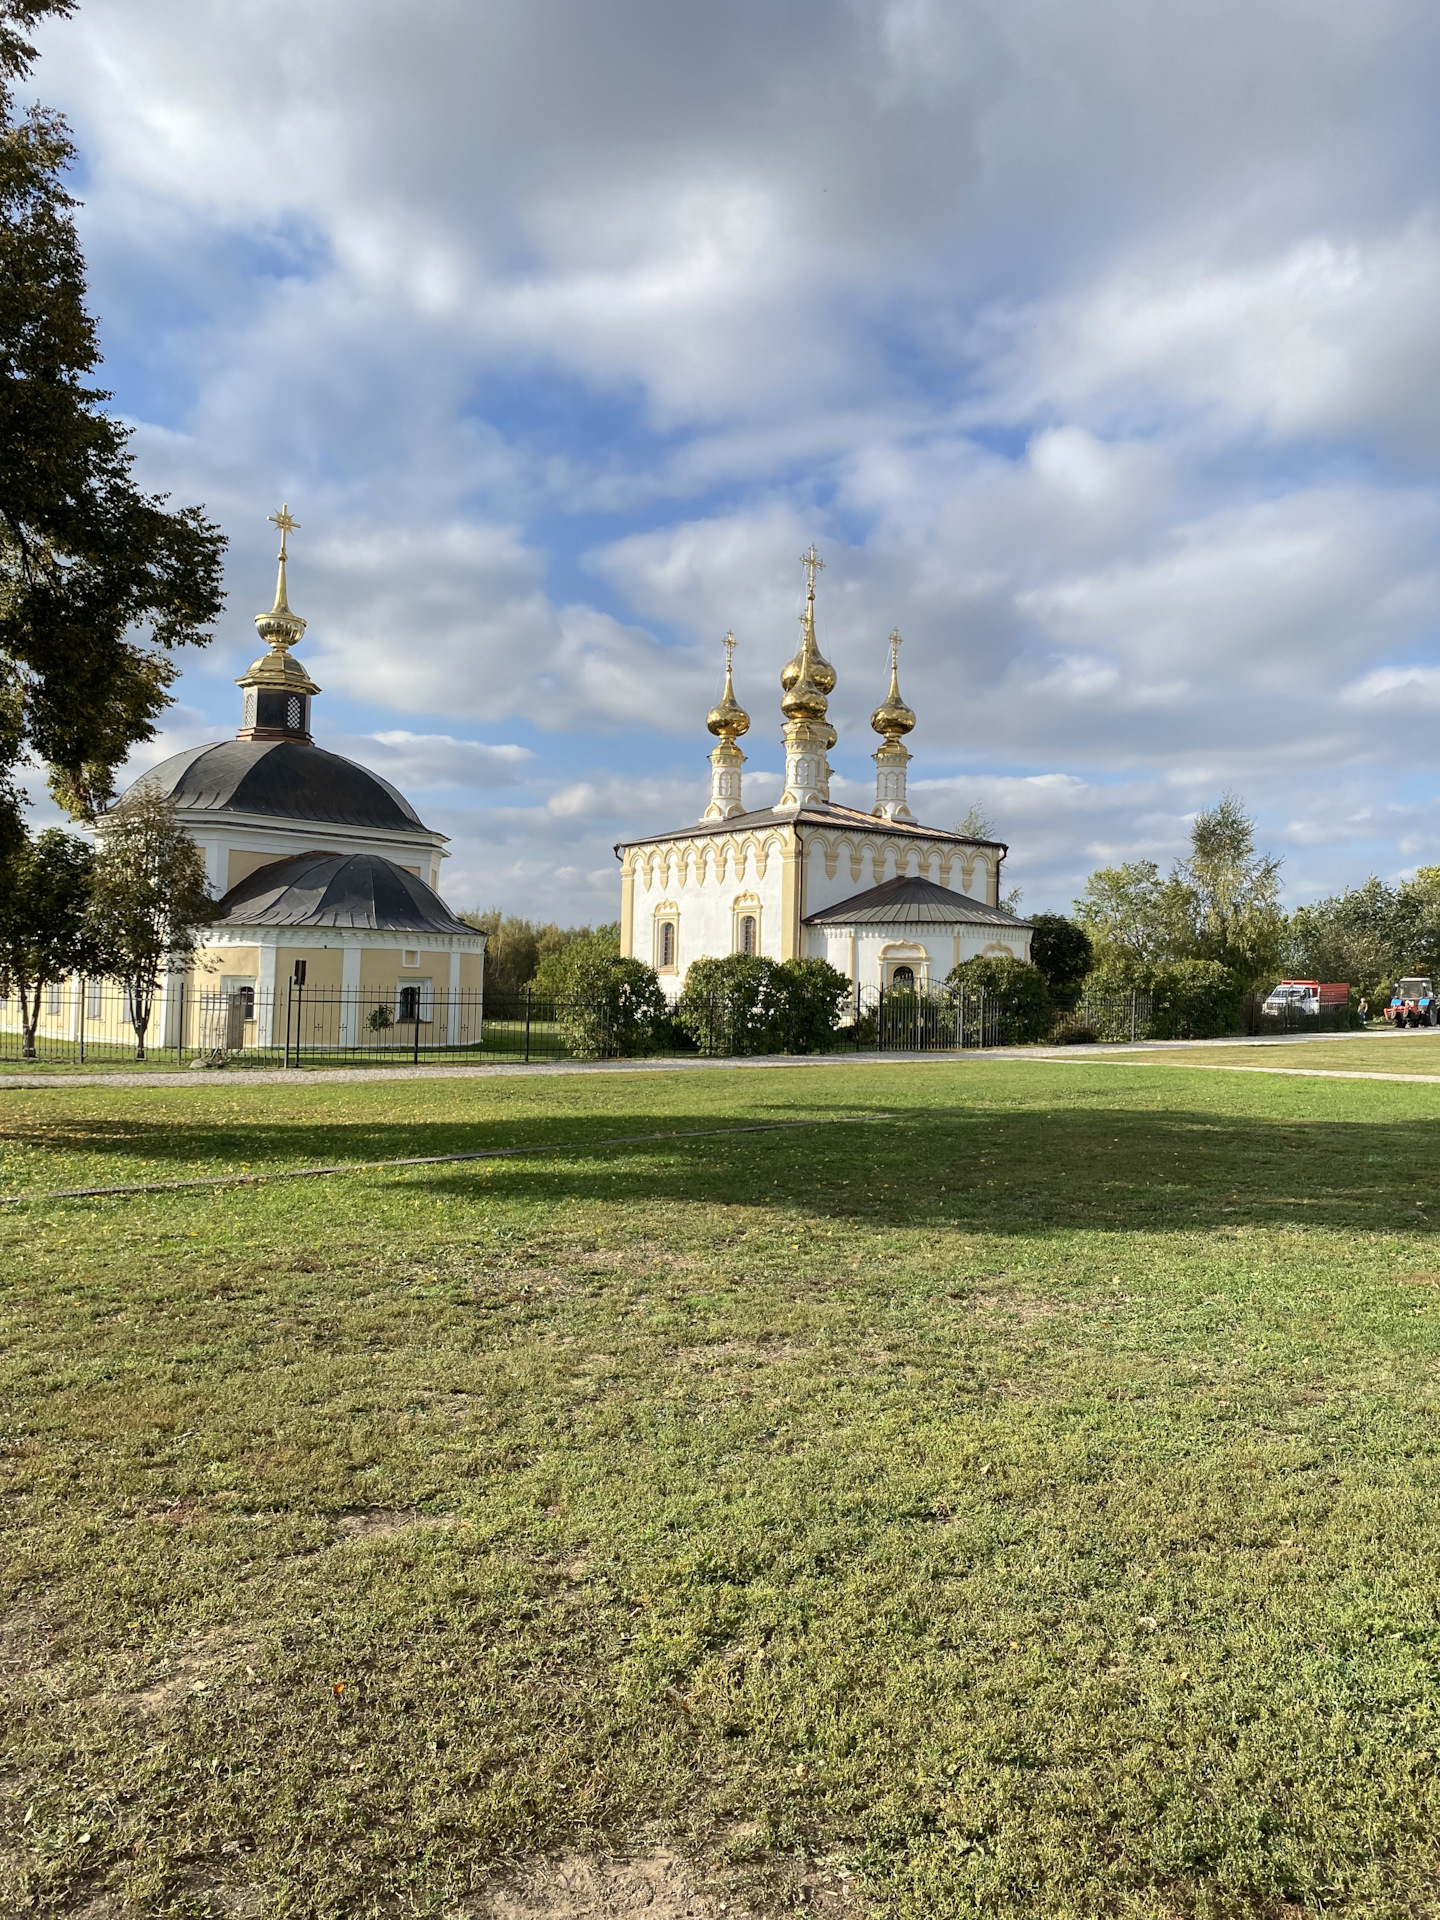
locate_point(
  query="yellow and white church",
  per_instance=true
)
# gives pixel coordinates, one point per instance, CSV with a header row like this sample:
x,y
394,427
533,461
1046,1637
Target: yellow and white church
x,y
888,902
315,860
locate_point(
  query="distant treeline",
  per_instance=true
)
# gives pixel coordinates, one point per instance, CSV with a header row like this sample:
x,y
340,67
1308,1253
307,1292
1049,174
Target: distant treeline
x,y
532,953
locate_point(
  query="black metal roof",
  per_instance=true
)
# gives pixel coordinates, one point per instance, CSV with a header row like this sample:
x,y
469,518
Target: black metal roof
x,y
292,779
338,890
828,814
912,903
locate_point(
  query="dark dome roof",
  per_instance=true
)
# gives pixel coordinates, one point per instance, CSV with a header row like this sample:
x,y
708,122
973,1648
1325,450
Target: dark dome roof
x,y
338,890
291,779
912,902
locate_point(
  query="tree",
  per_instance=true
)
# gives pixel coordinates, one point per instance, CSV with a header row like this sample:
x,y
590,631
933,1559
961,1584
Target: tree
x,y
99,583
1235,891
1221,903
517,948
1018,988
561,964
1367,935
1132,916
151,900
1064,954
45,925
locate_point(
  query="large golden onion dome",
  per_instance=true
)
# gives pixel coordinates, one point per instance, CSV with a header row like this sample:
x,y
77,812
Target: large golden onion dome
x,y
727,720
892,719
807,679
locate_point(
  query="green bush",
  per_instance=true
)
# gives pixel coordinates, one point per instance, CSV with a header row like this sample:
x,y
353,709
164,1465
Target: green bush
x,y
731,1005
1028,1012
813,997
1061,949
746,1004
1192,1000
611,1006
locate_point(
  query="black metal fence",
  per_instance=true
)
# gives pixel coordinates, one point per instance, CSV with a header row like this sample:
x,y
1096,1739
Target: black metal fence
x,y
93,1023
1291,1018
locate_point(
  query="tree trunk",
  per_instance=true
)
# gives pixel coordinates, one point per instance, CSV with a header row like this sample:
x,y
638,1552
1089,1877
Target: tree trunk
x,y
142,1005
29,1020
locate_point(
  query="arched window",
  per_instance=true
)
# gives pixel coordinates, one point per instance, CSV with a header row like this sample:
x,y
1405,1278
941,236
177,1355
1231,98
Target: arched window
x,y
903,977
667,943
747,933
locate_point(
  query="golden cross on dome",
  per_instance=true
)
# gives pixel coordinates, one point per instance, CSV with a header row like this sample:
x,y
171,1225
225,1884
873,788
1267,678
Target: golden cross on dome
x,y
286,525
729,651
895,645
814,564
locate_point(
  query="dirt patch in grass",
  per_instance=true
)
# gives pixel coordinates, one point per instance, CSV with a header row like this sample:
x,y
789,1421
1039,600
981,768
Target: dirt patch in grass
x,y
661,1885
381,1524
580,1887
207,1661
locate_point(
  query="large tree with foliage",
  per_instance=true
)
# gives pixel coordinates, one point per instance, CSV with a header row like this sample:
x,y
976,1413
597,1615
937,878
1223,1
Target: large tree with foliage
x,y
150,899
99,582
1220,903
46,931
1234,892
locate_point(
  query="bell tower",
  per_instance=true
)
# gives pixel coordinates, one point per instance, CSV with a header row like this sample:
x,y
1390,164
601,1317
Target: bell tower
x,y
277,689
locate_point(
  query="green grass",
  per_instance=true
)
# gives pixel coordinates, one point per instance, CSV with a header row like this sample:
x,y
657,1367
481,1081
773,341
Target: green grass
x,y
1024,1502
1377,1051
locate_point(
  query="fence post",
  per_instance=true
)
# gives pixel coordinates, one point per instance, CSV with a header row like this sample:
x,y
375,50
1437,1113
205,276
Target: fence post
x,y
415,1056
289,999
84,991
179,1028
527,1024
1132,1014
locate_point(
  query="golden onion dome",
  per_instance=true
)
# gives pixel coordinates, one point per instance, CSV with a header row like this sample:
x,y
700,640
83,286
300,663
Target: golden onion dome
x,y
727,720
892,718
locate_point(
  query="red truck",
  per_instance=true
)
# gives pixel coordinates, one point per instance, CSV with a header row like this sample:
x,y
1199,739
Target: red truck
x,y
1307,996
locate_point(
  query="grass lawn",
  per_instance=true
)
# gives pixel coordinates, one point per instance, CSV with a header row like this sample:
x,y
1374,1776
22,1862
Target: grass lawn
x,y
1376,1051
1022,1501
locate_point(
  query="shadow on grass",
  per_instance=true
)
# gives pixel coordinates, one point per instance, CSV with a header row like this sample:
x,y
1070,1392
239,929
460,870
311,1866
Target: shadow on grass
x,y
1000,1169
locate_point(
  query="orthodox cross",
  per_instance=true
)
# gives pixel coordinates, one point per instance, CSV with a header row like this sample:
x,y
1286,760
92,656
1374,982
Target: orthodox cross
x,y
286,525
814,564
729,651
895,645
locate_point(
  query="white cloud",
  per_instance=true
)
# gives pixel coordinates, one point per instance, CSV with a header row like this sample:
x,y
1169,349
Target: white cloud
x,y
1106,378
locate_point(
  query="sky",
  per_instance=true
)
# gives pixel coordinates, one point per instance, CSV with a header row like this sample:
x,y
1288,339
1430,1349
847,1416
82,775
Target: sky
x,y
1094,345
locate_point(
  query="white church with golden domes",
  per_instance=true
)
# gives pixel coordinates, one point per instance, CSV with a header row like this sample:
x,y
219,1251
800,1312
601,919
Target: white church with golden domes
x,y
888,902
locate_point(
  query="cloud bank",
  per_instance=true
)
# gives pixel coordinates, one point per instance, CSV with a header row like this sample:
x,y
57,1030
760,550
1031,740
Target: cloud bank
x,y
1095,347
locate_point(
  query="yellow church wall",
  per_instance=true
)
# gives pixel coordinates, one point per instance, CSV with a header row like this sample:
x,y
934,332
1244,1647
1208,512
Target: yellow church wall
x,y
242,864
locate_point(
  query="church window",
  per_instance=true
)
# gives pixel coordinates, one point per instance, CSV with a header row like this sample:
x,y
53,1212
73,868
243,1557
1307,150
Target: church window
x,y
415,1002
667,943
52,997
294,712
94,1000
747,933
904,978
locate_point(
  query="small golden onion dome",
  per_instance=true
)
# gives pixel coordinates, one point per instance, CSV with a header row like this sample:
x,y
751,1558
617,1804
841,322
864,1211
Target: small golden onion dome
x,y
280,629
892,718
728,719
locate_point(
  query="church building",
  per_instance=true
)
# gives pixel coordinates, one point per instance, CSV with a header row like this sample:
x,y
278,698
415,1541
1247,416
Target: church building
x,y
317,861
888,902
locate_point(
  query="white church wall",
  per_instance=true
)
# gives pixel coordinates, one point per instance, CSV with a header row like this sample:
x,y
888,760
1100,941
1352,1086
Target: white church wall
x,y
840,864
869,955
703,888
